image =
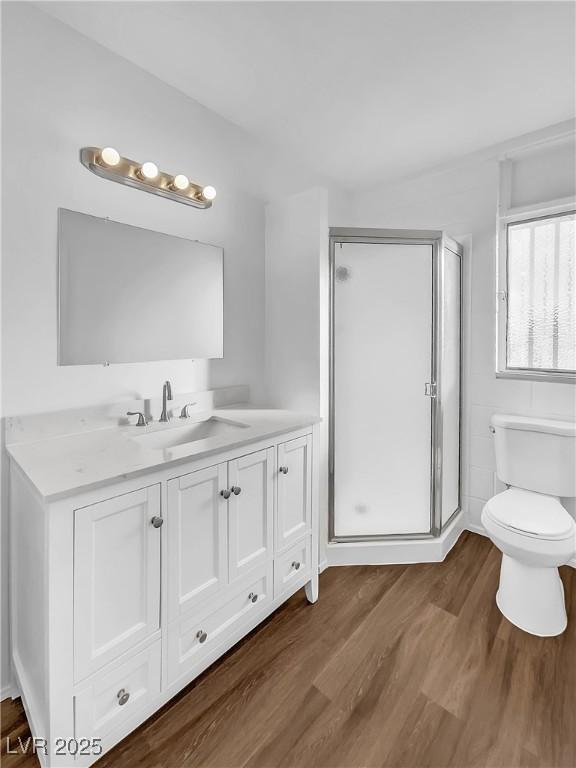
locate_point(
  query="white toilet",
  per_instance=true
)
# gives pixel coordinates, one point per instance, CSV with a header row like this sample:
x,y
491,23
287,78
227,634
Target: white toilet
x,y
536,458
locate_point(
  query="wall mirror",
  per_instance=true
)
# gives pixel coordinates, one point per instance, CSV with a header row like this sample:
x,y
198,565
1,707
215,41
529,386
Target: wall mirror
x,y
128,294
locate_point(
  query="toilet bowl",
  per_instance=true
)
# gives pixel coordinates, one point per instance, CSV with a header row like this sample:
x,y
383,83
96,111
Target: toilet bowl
x,y
536,459
535,535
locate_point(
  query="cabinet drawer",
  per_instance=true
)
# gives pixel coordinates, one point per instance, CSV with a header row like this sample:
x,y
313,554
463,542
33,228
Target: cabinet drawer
x,y
292,567
194,637
115,696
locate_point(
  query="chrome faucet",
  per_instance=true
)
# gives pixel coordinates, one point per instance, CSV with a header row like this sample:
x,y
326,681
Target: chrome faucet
x,y
184,412
166,395
141,418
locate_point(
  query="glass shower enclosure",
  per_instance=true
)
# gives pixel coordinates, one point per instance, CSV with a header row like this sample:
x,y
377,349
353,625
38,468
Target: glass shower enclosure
x,y
395,383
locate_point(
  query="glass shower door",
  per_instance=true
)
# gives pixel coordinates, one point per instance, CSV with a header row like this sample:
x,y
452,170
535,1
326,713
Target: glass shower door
x,y
382,361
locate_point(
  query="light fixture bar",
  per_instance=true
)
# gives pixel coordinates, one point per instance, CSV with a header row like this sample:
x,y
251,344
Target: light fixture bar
x,y
108,164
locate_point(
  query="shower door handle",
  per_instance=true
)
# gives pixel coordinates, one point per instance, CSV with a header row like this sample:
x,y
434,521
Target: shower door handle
x,y
430,389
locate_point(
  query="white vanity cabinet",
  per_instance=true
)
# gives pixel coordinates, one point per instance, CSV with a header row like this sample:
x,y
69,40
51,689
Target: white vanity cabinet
x,y
294,516
251,518
116,577
221,527
197,567
124,593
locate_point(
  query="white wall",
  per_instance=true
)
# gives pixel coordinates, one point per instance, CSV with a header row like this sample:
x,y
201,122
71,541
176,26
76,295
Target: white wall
x,y
81,94
463,201
543,172
61,91
297,312
296,232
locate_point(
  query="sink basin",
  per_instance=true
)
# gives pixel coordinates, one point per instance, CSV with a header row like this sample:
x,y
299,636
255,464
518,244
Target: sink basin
x,y
169,437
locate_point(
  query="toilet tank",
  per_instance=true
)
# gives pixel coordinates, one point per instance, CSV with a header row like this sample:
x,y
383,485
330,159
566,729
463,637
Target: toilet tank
x,y
536,454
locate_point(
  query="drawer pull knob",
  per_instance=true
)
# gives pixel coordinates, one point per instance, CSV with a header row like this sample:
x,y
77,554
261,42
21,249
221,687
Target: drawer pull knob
x,y
225,493
253,597
284,470
157,522
201,635
295,565
123,697
236,490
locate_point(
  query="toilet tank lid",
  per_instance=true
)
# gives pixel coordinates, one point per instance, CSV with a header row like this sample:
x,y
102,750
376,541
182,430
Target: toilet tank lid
x,y
533,424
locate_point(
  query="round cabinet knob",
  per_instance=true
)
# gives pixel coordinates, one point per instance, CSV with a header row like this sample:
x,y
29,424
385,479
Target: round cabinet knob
x,y
123,697
284,470
157,522
225,493
236,490
295,565
202,636
253,597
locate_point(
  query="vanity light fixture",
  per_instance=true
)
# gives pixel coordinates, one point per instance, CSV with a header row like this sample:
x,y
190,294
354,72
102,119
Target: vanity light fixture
x,y
110,156
109,164
181,182
148,171
208,193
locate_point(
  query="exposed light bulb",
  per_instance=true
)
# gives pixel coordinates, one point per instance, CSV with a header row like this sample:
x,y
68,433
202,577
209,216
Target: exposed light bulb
x,y
149,170
181,182
208,193
110,156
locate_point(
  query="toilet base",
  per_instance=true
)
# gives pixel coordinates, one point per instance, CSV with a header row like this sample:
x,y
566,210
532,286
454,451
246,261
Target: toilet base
x,y
532,598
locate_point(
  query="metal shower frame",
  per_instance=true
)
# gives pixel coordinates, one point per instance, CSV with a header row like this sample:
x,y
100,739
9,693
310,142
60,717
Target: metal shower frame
x,y
439,242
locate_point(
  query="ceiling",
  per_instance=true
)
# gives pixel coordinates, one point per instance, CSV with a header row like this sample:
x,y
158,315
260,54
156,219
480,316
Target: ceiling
x,y
361,92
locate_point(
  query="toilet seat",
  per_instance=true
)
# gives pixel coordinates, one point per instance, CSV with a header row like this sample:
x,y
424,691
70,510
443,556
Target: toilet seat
x,y
529,514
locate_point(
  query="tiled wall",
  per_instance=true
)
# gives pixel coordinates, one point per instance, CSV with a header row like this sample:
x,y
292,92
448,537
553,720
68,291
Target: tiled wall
x,y
498,396
463,202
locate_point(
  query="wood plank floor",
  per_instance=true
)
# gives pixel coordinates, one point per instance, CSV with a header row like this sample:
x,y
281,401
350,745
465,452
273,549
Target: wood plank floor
x,y
404,666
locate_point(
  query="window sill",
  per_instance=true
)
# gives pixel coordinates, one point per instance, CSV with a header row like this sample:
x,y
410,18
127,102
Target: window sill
x,y
546,376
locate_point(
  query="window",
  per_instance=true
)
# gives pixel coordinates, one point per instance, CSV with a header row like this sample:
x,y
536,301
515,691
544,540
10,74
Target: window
x,y
537,260
540,295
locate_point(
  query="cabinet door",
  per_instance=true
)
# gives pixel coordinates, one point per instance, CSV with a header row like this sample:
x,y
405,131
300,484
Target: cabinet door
x,y
250,511
197,538
294,512
116,577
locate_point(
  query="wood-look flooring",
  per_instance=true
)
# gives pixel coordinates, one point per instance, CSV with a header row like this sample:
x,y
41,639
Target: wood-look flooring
x,y
404,666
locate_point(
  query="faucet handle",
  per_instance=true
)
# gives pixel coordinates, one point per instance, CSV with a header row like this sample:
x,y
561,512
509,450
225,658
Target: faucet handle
x,y
184,412
141,420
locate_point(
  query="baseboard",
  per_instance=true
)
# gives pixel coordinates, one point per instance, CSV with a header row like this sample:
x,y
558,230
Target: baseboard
x,y
476,529
397,552
322,565
9,691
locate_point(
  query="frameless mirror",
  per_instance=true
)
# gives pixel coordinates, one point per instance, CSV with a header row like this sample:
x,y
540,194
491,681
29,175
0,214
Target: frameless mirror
x,y
129,295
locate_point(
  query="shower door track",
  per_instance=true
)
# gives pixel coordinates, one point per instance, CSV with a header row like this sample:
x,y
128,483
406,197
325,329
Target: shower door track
x,y
438,240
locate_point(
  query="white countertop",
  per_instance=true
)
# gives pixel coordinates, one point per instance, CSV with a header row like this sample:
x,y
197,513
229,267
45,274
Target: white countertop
x,y
61,466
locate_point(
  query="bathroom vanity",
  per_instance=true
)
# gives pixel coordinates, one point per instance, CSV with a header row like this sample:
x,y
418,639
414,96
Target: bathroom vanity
x,y
142,554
